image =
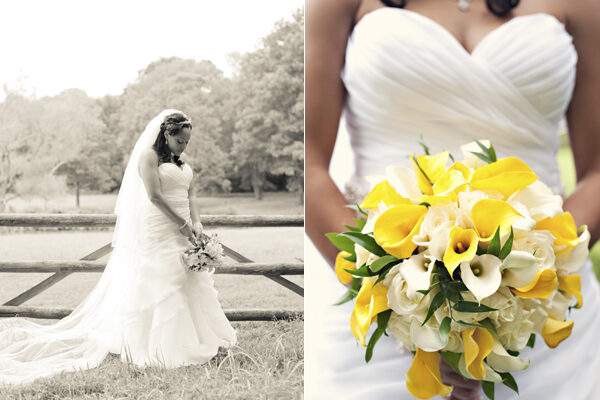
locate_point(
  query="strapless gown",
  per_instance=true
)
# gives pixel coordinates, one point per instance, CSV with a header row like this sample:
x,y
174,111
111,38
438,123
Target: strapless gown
x,y
153,311
407,76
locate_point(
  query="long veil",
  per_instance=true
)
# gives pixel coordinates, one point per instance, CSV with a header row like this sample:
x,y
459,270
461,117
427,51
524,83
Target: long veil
x,y
83,339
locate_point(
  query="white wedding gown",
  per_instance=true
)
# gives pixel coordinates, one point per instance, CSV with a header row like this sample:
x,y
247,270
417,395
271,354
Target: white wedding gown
x,y
407,76
147,307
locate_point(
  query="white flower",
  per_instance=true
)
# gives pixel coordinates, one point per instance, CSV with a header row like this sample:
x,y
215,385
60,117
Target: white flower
x,y
435,228
398,299
525,223
399,326
518,269
539,244
556,305
569,262
404,181
416,271
482,275
466,199
501,361
539,200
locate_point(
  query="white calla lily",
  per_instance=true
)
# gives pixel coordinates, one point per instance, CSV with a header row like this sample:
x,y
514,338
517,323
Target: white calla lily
x,y
416,271
518,269
404,181
539,200
426,337
501,361
482,275
568,263
525,223
362,255
490,374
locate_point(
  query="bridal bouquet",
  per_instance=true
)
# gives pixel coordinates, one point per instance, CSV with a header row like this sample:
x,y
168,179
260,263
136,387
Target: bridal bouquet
x,y
205,255
467,262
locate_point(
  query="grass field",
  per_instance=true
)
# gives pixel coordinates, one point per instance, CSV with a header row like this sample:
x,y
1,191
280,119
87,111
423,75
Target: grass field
x,y
267,363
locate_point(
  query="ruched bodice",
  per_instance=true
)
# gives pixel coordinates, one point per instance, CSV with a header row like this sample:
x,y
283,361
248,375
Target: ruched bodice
x,y
406,76
174,180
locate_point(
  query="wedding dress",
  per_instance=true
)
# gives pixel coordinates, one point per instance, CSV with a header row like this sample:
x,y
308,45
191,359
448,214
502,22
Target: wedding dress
x,y
147,306
407,76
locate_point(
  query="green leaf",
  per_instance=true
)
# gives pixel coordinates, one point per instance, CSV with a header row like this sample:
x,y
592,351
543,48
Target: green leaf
x,y
363,271
382,275
436,303
458,285
506,249
357,208
452,359
485,150
483,157
383,318
531,341
374,338
513,353
494,247
360,223
365,241
352,228
480,250
350,258
493,153
451,157
342,243
509,381
425,148
381,262
424,203
445,328
351,293
472,307
488,389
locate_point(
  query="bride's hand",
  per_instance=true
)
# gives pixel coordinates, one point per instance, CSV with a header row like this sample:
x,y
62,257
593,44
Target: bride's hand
x,y
198,228
463,389
186,230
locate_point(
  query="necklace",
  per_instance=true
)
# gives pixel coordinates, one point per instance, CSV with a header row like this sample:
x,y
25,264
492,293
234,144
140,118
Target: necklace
x,y
463,5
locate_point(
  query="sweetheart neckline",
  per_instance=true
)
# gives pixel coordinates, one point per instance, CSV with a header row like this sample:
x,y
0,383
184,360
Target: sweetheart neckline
x,y
179,168
453,38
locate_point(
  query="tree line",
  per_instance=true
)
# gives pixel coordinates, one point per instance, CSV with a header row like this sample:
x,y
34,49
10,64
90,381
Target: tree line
x,y
247,129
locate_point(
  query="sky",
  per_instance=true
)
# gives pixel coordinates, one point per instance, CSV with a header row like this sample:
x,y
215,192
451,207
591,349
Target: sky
x,y
99,46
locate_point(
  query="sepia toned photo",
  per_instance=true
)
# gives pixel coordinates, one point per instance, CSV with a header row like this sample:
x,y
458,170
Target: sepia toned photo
x,y
151,200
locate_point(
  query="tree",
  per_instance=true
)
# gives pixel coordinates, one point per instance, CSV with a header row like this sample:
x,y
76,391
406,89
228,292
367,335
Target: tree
x,y
270,126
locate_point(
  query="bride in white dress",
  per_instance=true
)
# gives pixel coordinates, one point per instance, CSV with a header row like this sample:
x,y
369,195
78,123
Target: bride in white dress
x,y
399,73
147,306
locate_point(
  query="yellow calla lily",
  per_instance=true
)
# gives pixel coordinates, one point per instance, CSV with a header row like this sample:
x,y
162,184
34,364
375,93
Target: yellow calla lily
x,y
541,287
342,264
462,246
370,301
395,228
556,331
507,175
571,284
423,379
466,172
435,199
432,166
563,228
383,191
478,343
451,181
489,214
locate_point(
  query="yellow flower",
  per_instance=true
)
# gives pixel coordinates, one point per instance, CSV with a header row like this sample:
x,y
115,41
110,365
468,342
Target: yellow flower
x,y
435,199
571,284
451,181
341,264
462,246
563,228
432,166
507,175
556,331
478,343
541,287
370,301
423,379
489,214
383,191
464,170
395,228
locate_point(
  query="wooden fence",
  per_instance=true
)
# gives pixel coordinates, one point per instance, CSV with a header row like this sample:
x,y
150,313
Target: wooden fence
x,y
89,263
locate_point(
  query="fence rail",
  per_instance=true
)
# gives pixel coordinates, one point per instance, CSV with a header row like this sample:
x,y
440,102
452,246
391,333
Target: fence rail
x,y
89,263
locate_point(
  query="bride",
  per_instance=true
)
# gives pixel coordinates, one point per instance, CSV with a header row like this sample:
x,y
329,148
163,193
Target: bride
x,y
147,306
494,70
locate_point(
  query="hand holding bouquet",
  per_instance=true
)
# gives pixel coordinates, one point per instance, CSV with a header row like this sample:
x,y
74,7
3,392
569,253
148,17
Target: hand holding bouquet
x,y
468,262
206,254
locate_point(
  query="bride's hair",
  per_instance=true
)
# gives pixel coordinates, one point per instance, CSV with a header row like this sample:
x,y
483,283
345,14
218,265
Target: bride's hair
x,y
171,125
498,7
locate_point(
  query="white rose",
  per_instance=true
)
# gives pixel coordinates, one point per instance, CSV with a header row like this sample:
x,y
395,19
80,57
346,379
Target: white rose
x,y
539,200
435,228
525,223
399,326
398,299
538,243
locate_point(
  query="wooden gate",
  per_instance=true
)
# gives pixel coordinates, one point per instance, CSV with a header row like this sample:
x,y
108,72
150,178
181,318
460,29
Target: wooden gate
x,y
88,263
